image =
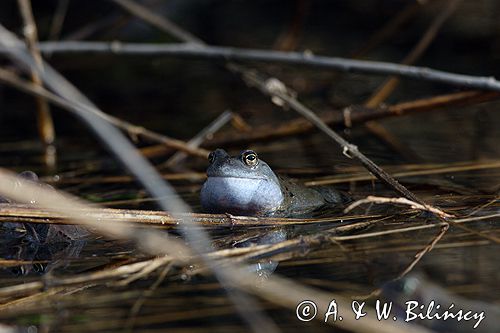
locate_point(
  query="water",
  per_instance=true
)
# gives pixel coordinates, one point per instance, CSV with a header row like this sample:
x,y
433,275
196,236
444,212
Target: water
x,y
454,164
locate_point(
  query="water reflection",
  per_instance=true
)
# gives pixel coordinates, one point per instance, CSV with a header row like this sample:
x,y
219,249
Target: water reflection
x,y
416,297
262,267
39,248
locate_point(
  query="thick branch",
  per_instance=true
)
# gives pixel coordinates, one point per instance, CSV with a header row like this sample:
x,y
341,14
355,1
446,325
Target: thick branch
x,y
188,50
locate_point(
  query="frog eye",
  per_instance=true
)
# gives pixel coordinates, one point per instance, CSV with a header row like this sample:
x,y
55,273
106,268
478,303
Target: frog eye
x,y
250,158
211,157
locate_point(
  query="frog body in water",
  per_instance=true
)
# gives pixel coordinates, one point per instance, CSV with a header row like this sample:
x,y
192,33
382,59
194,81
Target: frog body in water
x,y
245,185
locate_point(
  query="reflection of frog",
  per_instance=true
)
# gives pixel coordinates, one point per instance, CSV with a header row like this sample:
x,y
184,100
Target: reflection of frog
x,y
38,232
246,185
33,243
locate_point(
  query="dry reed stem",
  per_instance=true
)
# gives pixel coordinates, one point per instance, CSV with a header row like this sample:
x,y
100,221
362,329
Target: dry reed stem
x,y
124,272
30,214
45,124
354,114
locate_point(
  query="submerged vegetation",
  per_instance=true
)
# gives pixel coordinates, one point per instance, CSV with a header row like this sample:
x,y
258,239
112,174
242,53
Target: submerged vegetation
x,y
367,97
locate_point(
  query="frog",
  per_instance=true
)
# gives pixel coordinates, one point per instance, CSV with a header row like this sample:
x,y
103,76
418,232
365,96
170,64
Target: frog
x,y
246,185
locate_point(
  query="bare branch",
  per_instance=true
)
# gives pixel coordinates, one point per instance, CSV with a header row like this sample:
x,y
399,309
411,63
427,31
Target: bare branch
x,y
186,50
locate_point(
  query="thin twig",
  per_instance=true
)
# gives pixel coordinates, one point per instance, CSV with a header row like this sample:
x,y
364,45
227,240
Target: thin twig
x,y
424,207
160,22
186,51
477,218
403,201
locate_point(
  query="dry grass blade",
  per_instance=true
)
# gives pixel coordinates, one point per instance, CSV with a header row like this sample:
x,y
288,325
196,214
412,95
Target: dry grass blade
x,y
423,207
403,201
